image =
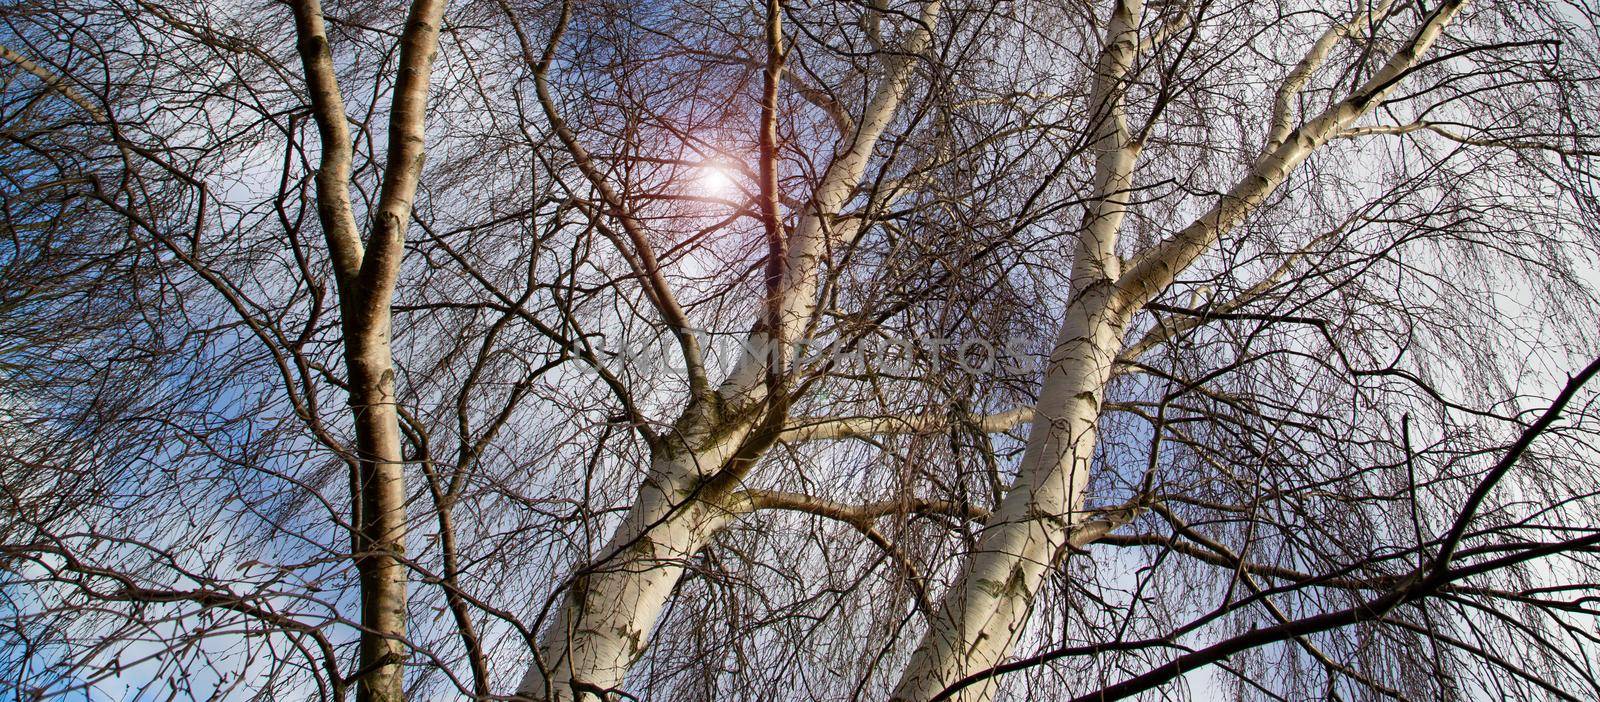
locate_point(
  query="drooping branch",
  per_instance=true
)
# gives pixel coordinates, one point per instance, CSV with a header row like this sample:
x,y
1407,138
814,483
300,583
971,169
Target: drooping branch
x,y
1152,271
657,289
827,428
1168,330
863,517
127,589
1420,583
1444,130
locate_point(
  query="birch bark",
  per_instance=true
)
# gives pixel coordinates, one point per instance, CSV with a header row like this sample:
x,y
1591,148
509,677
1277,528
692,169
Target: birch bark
x,y
611,605
365,275
984,613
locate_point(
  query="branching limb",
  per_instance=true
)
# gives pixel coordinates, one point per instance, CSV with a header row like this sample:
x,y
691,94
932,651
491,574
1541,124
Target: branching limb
x,y
657,288
752,500
861,518
1445,131
825,428
402,171
333,170
1154,270
1166,31
1283,105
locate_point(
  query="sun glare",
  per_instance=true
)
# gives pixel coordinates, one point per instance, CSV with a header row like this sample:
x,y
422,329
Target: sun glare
x,y
717,181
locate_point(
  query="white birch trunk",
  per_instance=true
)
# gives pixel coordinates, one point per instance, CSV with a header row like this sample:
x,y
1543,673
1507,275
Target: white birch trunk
x,y
984,612
610,608
981,616
605,622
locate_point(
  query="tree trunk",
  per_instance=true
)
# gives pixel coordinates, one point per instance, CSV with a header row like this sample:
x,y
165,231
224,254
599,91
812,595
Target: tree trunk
x,y
380,520
983,613
366,276
611,605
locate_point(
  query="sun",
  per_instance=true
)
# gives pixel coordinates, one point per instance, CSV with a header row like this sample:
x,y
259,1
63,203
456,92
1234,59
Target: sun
x,y
717,181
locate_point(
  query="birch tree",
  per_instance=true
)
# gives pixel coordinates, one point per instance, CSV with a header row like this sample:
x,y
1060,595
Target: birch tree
x,y
365,268
911,350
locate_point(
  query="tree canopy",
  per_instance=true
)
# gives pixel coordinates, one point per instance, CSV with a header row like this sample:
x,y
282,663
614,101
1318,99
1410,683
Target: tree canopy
x,y
897,350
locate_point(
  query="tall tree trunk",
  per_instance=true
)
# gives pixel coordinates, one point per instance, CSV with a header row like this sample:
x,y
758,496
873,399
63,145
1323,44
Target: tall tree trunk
x,y
984,612
379,497
366,274
981,616
611,604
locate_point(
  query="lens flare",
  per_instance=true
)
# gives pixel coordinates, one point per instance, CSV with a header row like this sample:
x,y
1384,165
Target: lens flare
x,y
717,181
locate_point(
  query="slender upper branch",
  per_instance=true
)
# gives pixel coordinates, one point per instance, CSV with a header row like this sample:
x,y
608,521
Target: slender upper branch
x,y
752,500
819,230
54,81
771,221
1116,149
657,289
821,428
333,171
1154,270
419,44
1445,131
